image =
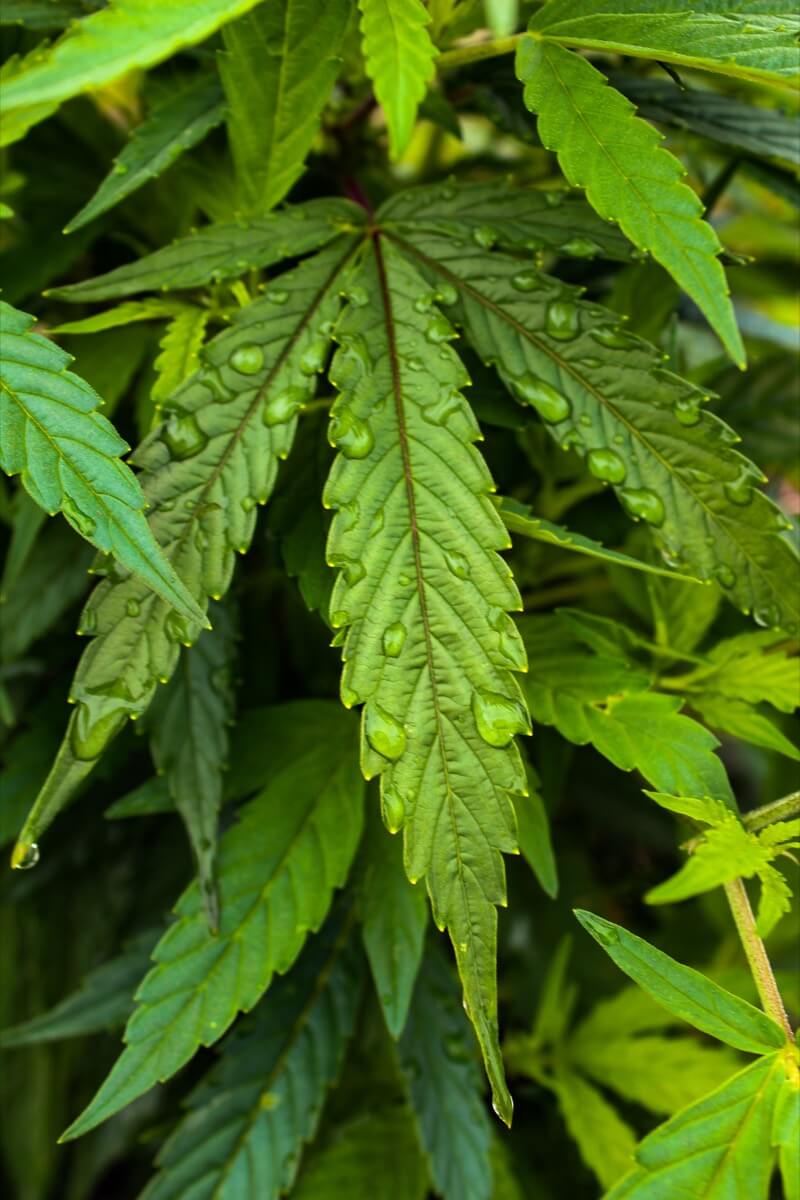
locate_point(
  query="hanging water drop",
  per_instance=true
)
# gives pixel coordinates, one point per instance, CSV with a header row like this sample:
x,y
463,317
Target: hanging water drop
x,y
562,321
349,434
385,734
284,405
644,504
184,437
25,856
439,330
247,360
393,810
607,465
394,637
550,404
497,717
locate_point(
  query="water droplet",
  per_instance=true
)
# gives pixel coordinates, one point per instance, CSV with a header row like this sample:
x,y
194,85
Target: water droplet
x,y
526,281
767,615
414,363
394,637
313,358
509,642
644,504
176,627
340,617
424,303
457,564
133,608
485,236
184,437
606,465
447,294
377,523
248,503
687,408
284,405
561,321
740,490
612,337
553,197
550,404
248,360
350,434
78,519
88,622
393,810
725,575
497,717
25,857
386,735
404,580
98,718
580,247
439,330
442,409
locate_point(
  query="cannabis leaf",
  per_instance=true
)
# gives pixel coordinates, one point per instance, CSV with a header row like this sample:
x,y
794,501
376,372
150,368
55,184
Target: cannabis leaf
x,y
604,147
278,68
116,39
180,351
374,1154
437,1055
399,55
278,867
605,1141
604,394
206,467
605,700
420,601
173,127
189,722
395,920
67,455
250,1116
223,251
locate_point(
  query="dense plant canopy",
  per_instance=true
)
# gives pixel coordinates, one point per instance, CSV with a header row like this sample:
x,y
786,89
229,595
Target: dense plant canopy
x,y
491,305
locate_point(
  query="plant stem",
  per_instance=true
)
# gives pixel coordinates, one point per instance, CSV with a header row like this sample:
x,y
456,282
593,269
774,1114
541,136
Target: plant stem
x,y
777,810
463,55
756,952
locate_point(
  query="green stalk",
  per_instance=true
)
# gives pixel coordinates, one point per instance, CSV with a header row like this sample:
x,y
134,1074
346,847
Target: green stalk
x,y
463,55
756,952
777,810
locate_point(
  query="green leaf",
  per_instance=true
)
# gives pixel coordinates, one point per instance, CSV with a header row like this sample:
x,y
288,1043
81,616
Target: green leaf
x,y
152,796
53,578
180,351
704,809
250,1116
437,1054
511,217
606,395
420,600
44,15
124,35
174,127
775,902
399,56
16,123
746,44
68,457
103,1001
533,832
605,148
717,1148
517,518
730,122
298,519
750,668
726,852
786,1136
26,519
373,1154
662,1074
278,867
606,1142
592,698
278,70
223,251
188,724
684,991
395,920
132,311
205,469
742,721
556,998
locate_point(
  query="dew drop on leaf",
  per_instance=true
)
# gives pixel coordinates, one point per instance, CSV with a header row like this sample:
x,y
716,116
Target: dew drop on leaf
x,y
447,294
276,297
393,810
497,717
385,734
740,490
247,360
442,409
394,637
724,575
94,725
612,337
78,519
525,281
687,409
550,404
313,358
580,247
184,437
414,364
132,608
643,504
561,321
284,405
606,465
357,295
457,564
485,236
176,628
25,857
439,330
350,434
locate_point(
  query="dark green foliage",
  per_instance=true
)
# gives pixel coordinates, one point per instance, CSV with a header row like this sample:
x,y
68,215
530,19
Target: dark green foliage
x,y
442,293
